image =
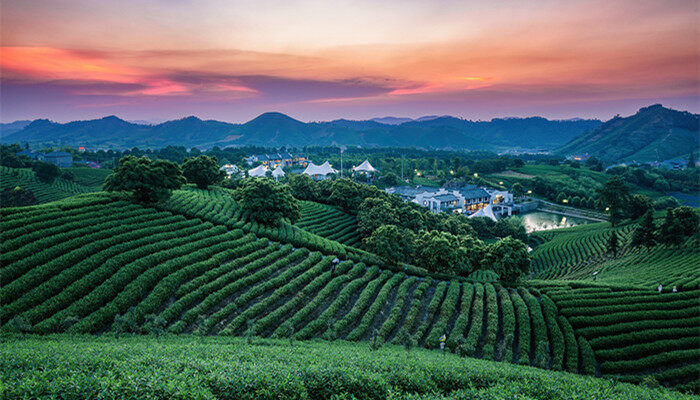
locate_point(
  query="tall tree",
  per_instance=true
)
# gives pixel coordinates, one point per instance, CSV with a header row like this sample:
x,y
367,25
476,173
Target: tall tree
x,y
613,243
46,172
441,252
266,201
202,171
508,258
614,197
671,231
391,243
644,234
149,181
691,159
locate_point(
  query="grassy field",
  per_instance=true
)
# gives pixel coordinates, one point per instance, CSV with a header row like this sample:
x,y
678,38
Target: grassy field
x,y
87,367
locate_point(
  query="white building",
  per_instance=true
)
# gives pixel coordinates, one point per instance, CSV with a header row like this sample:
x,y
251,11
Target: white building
x,y
231,170
468,199
278,173
319,172
365,170
259,171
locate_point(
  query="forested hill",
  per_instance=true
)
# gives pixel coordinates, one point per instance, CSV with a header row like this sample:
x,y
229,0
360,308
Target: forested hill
x,y
276,129
654,133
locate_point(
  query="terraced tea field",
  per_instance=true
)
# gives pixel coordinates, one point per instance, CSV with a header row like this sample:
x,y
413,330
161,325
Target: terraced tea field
x,y
329,222
636,334
84,367
196,264
43,192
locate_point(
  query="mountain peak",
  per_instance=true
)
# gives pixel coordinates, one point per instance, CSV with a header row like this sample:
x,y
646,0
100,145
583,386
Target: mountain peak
x,y
273,117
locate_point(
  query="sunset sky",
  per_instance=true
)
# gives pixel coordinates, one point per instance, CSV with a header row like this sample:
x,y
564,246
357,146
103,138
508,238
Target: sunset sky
x,y
320,60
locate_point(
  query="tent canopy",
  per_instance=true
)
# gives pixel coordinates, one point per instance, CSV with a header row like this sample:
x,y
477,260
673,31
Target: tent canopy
x,y
278,172
323,169
260,170
485,212
365,167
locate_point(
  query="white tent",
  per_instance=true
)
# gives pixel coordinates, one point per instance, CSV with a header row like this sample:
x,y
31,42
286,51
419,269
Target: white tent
x,y
260,170
364,167
319,171
278,172
484,212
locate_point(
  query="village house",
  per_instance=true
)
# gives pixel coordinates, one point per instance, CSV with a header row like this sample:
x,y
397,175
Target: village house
x,y
468,199
275,160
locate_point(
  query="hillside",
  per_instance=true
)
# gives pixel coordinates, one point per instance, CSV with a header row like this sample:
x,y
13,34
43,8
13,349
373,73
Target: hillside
x,y
276,129
96,263
85,181
654,133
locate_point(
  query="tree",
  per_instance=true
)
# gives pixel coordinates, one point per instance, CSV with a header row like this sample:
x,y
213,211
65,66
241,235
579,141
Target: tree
x,y
267,202
441,252
46,172
613,245
203,171
508,258
644,234
391,179
517,189
149,181
303,187
671,231
374,212
687,218
614,196
691,159
511,226
391,243
16,197
638,205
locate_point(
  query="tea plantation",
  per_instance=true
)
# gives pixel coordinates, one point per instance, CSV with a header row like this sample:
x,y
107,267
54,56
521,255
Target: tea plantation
x,y
87,367
196,264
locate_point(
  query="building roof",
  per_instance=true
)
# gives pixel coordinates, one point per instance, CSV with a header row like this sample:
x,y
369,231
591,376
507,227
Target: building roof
x,y
323,169
446,197
365,166
474,193
486,212
260,170
58,154
278,172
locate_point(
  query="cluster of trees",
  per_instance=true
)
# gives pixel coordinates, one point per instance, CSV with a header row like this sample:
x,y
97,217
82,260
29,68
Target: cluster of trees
x,y
678,224
408,233
614,197
659,179
152,181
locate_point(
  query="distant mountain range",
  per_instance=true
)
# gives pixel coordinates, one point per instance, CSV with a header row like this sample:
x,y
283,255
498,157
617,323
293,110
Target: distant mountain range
x,y
276,129
654,133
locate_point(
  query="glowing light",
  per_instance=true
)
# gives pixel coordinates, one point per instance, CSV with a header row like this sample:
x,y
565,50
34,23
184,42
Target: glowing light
x,y
476,175
565,201
529,192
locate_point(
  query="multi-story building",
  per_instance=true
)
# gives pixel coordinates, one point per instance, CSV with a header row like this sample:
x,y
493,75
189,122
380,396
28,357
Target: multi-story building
x,y
467,199
279,160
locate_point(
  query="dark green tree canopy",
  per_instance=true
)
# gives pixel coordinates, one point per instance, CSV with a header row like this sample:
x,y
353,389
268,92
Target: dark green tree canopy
x,y
614,197
508,258
149,181
373,213
303,187
645,233
266,201
441,252
46,172
202,171
391,243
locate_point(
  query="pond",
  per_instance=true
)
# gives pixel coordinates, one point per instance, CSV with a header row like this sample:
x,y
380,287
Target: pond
x,y
540,221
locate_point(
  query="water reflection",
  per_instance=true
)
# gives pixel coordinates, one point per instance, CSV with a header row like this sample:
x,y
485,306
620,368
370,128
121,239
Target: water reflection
x,y
540,221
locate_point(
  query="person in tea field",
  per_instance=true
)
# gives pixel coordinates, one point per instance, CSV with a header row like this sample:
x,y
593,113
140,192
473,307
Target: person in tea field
x,y
661,288
443,339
